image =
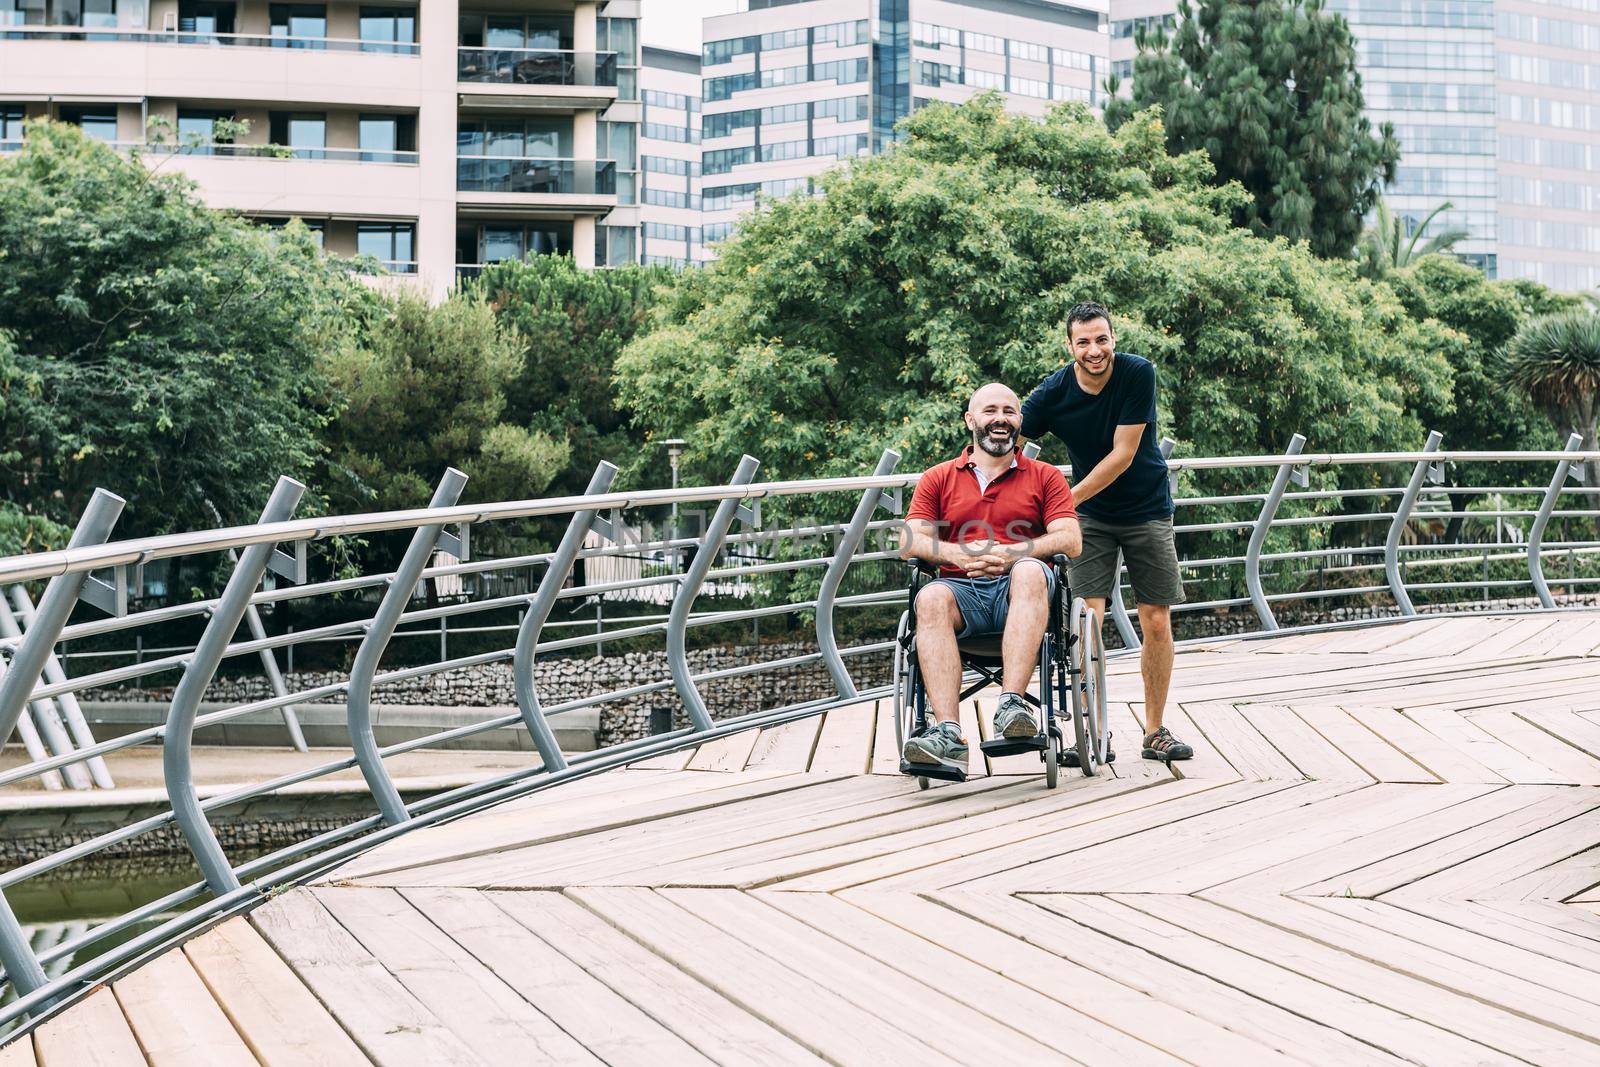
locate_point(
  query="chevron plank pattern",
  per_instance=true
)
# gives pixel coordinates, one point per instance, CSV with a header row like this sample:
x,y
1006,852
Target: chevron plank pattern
x,y
1386,850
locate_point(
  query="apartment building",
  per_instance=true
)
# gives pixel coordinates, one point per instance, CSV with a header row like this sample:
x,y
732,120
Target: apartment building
x,y
1497,107
434,136
792,88
669,158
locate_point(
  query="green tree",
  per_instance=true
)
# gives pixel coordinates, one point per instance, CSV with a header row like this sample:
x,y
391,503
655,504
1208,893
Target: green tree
x,y
1385,245
1556,358
160,349
570,325
425,389
832,327
1269,91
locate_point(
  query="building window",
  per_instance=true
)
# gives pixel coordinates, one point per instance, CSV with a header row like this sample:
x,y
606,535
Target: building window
x,y
622,37
383,137
304,132
536,32
615,245
99,122
388,29
197,129
205,17
723,51
533,138
722,160
11,119
391,243
300,25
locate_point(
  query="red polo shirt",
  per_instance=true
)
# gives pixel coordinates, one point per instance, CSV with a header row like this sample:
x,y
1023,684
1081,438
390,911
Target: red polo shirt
x,y
1019,505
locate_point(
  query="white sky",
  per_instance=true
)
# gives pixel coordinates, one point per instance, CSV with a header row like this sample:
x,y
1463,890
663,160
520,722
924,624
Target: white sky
x,y
676,23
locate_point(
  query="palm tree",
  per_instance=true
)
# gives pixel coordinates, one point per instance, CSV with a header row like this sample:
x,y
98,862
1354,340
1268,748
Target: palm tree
x,y
1556,359
1385,245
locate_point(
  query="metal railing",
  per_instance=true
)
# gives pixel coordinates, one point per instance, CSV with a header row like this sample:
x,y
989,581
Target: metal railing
x,y
207,38
536,66
813,552
526,174
276,151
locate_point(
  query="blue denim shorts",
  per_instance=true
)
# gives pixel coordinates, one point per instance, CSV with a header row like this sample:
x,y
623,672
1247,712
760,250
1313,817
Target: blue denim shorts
x,y
985,602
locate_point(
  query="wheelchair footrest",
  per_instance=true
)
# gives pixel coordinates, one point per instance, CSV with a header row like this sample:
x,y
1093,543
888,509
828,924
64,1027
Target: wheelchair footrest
x,y
1011,746
944,772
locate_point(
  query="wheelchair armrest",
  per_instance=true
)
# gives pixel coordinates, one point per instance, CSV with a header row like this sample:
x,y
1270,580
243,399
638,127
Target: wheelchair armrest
x,y
1059,560
923,566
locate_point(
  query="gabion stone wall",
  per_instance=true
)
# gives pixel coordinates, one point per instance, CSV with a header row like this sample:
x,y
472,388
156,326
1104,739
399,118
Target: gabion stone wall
x,y
561,680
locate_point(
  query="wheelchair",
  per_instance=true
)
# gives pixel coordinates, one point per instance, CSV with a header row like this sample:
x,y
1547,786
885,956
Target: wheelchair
x,y
1071,675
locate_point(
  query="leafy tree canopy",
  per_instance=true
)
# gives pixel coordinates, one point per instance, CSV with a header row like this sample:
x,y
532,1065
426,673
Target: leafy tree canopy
x,y
425,389
159,349
1270,92
570,325
835,326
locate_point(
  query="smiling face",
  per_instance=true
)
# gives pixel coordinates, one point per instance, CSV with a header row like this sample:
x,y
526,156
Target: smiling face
x,y
994,416
1093,347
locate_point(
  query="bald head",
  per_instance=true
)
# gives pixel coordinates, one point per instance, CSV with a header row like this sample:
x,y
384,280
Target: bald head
x,y
994,417
991,393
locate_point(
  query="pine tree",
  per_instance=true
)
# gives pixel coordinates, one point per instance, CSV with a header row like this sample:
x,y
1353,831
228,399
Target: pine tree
x,y
1269,89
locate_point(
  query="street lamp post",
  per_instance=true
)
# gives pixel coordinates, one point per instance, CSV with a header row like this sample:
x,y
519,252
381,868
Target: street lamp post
x,y
674,447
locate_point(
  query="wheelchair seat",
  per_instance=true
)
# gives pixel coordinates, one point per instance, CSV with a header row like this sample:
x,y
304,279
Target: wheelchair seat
x,y
981,646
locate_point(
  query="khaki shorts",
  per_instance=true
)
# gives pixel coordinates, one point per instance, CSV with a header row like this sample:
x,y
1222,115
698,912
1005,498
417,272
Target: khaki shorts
x,y
1147,549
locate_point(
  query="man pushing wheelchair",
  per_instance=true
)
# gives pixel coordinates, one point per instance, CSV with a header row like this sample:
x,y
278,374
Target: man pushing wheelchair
x,y
991,518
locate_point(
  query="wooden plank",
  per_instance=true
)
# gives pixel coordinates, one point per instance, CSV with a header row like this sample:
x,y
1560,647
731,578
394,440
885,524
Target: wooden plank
x,y
1207,761
1467,1018
486,1014
885,749
175,1019
807,1008
703,1018
1568,726
1445,762
280,1019
1307,750
866,981
18,1054
786,747
725,753
91,1033
1478,876
383,1017
1456,730
1241,744
1539,746
845,743
675,760
596,1017
1364,748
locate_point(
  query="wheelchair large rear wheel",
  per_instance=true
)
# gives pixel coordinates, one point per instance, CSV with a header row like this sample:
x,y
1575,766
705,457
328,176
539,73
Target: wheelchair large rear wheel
x,y
1081,629
1094,657
905,688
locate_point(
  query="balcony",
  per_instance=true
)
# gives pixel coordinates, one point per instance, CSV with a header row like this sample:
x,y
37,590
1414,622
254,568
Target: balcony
x,y
562,78
586,186
90,62
273,151
212,40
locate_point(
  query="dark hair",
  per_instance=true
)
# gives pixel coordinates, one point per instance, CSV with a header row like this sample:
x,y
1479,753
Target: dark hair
x,y
1087,311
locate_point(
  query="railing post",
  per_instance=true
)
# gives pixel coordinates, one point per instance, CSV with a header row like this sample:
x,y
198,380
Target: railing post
x,y
538,612
280,688
693,578
55,674
1258,536
27,663
1402,515
849,542
395,598
22,966
178,739
1542,520
50,725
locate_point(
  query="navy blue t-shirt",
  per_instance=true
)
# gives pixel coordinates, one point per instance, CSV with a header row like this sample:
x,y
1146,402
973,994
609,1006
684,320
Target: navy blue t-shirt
x,y
1087,424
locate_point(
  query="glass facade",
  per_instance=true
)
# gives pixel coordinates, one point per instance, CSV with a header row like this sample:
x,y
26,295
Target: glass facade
x,y
891,78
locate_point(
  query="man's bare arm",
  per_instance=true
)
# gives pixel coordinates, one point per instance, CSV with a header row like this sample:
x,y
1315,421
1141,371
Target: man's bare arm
x,y
1124,444
919,538
1062,535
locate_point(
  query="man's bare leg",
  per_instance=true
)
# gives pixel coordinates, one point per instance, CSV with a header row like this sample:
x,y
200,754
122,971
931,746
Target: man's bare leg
x,y
1025,619
938,621
1155,662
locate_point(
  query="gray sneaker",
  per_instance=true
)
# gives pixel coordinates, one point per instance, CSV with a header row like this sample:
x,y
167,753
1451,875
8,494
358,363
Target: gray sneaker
x,y
941,744
1015,717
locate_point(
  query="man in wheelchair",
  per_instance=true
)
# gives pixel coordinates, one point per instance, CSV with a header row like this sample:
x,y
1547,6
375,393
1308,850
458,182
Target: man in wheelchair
x,y
988,520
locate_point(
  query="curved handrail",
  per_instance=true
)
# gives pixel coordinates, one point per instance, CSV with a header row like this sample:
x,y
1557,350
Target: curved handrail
x,y
1316,539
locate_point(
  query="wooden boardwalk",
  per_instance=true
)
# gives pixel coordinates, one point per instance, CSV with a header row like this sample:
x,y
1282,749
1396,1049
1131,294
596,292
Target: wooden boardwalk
x,y
1386,849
